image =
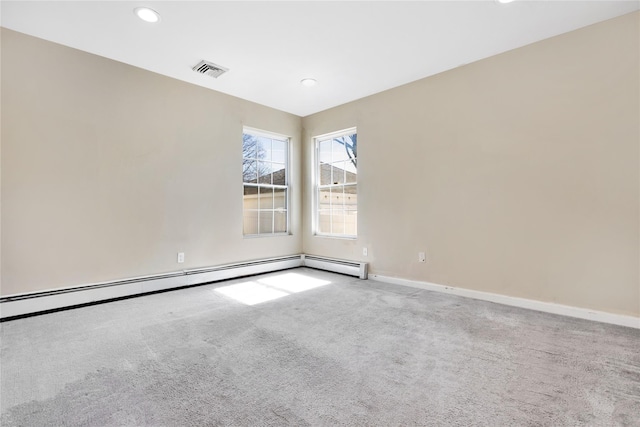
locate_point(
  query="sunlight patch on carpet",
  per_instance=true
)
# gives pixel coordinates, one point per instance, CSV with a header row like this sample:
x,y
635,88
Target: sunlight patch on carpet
x,y
270,288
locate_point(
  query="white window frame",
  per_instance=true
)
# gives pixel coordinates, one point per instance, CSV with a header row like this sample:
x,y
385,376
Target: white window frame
x,y
317,187
286,186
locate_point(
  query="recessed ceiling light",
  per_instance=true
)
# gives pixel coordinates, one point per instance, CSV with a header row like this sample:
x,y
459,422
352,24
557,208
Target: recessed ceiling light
x,y
504,1
309,82
146,14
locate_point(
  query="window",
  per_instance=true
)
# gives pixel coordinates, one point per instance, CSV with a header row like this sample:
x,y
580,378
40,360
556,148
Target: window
x,y
336,201
265,160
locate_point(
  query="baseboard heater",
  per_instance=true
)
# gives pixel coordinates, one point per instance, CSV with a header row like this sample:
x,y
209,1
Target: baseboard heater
x,y
18,305
358,269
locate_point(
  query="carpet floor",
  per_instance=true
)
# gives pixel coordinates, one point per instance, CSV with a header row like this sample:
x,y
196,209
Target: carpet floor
x,y
310,348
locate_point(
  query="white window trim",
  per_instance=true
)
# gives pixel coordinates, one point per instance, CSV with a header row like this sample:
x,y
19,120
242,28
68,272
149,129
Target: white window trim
x,y
287,186
315,181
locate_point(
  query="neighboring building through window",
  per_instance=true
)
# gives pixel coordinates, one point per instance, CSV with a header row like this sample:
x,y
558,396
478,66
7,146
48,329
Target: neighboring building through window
x,y
265,160
336,201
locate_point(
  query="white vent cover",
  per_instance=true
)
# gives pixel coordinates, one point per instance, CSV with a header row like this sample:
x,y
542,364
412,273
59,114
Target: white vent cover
x,y
210,69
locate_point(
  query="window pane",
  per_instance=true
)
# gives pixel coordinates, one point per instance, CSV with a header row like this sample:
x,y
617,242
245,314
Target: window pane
x,y
345,148
337,198
279,151
324,221
250,222
351,142
280,221
324,173
351,223
351,172
264,173
266,198
324,199
264,148
249,146
324,151
351,197
266,222
337,221
250,199
249,168
279,198
337,173
279,174
340,149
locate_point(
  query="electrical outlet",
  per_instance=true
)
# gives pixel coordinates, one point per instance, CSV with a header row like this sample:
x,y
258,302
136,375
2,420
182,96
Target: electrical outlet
x,y
180,257
365,252
422,257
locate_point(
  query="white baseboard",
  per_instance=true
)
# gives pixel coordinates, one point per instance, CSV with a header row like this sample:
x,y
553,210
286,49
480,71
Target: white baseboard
x,y
16,305
547,307
35,302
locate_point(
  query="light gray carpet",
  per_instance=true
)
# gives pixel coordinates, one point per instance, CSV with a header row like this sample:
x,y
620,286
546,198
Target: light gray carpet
x,y
351,352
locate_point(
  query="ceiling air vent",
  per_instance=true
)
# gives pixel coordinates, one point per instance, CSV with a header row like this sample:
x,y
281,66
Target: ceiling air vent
x,y
209,69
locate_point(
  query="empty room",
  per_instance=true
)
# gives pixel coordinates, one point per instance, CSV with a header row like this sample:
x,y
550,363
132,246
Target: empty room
x,y
318,213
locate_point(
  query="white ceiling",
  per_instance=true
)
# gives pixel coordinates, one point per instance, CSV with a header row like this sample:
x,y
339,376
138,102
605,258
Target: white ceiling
x,y
353,48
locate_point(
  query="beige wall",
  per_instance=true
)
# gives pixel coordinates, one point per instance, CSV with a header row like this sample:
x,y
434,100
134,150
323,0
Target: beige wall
x,y
108,170
516,175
